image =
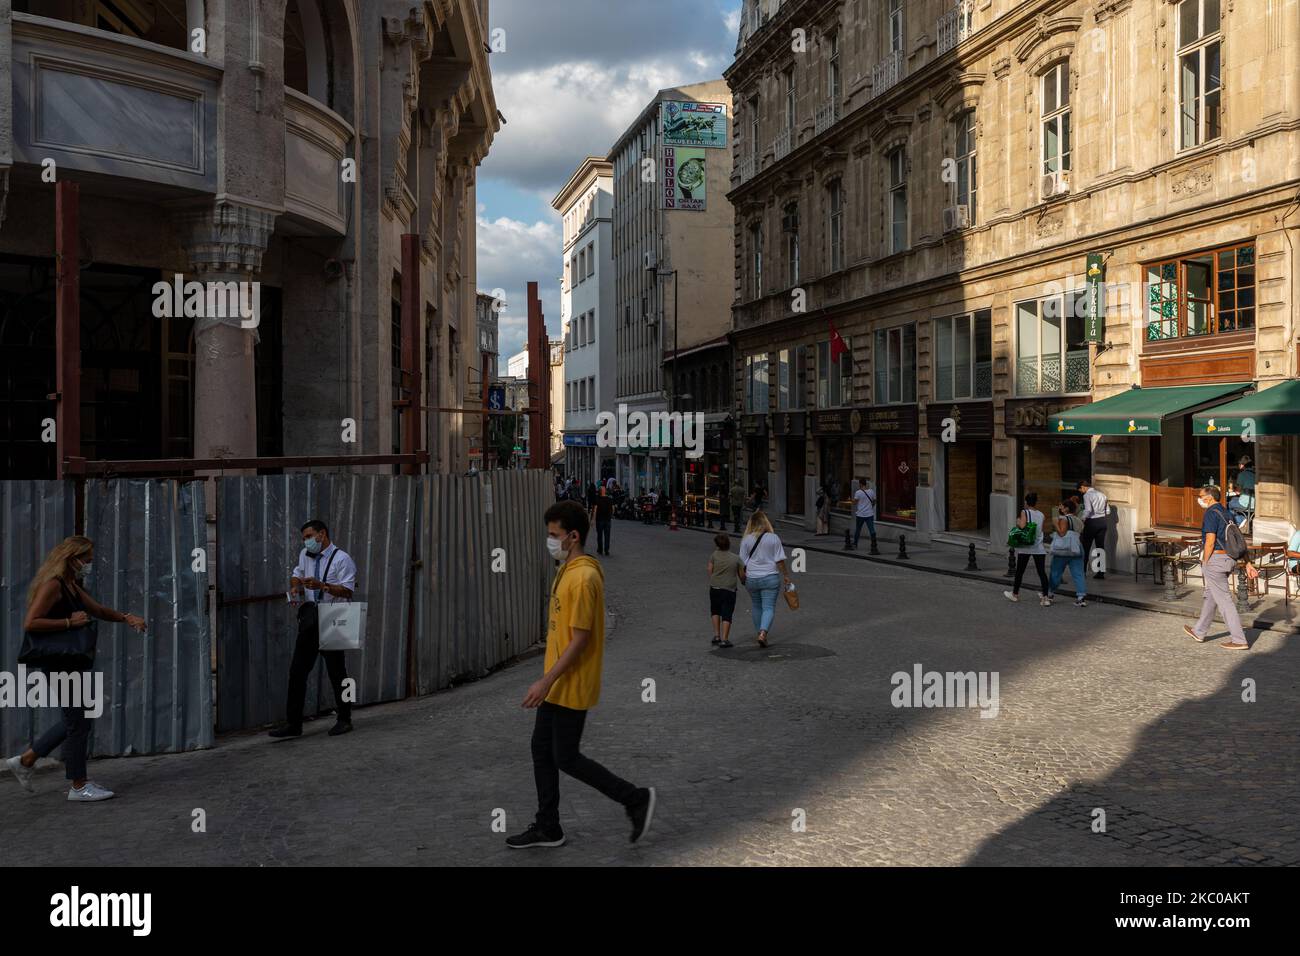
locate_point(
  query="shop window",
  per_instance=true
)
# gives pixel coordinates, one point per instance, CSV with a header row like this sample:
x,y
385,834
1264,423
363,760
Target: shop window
x,y
1199,87
897,482
834,376
963,347
1201,295
895,365
1055,107
836,471
1052,346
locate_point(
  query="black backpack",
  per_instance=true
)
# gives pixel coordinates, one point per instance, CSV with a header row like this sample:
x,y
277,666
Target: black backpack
x,y
1234,542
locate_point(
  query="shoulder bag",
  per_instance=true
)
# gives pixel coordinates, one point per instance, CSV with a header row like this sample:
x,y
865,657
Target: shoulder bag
x,y
62,651
1023,537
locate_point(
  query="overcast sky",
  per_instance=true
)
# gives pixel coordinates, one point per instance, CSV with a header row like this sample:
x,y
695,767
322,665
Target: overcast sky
x,y
573,75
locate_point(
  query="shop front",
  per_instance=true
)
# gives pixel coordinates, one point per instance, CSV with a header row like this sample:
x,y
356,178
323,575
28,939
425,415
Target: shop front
x,y
834,430
963,440
897,460
1047,463
580,456
708,477
754,435
792,457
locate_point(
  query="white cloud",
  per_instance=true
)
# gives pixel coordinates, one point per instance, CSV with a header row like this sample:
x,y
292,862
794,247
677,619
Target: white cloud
x,y
512,253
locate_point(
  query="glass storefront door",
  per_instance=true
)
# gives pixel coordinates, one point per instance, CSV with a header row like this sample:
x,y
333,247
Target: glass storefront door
x,y
898,468
835,471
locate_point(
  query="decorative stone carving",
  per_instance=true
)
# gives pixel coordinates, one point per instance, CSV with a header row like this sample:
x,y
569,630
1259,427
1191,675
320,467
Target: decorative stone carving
x,y
1001,67
225,237
1048,227
894,272
1106,9
1192,181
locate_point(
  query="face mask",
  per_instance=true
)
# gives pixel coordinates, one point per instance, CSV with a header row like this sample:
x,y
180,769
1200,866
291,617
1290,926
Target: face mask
x,y
84,569
313,545
556,548
1202,502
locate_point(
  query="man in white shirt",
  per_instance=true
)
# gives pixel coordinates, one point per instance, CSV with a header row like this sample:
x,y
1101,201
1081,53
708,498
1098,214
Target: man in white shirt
x,y
327,574
864,500
1095,513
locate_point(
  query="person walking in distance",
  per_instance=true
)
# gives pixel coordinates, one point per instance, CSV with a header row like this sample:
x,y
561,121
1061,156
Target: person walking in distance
x,y
602,514
1096,516
1217,565
737,499
1030,514
1067,551
724,579
864,501
328,575
763,562
58,603
823,512
570,687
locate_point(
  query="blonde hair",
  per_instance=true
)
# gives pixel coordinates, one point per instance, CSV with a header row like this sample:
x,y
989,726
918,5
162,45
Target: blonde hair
x,y
58,563
758,523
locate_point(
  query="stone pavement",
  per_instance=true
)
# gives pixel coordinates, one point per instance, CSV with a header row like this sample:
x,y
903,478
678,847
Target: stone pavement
x,y
1100,708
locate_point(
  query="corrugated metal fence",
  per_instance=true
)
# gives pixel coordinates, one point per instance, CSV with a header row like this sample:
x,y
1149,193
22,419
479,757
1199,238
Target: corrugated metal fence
x,y
34,517
453,567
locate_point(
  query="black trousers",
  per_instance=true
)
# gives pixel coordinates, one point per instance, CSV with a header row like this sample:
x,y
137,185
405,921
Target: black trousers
x,y
556,736
73,733
304,660
1022,562
1094,535
735,516
602,535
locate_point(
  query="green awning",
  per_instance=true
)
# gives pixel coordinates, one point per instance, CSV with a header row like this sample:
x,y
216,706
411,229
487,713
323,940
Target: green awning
x,y
1273,411
1139,411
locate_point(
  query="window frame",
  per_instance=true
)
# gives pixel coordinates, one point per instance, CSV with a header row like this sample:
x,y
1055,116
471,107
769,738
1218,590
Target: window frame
x,y
1080,299
895,23
1214,294
878,362
835,225
964,126
1060,116
1198,47
792,263
972,321
897,191
756,259
836,376
791,95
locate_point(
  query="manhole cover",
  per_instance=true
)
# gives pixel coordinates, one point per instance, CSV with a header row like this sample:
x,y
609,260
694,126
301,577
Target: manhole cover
x,y
775,652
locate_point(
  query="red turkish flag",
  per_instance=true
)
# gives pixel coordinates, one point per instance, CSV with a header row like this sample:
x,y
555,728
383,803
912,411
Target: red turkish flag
x,y
838,346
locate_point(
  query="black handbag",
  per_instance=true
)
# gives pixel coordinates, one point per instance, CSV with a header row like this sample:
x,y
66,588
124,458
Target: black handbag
x,y
70,650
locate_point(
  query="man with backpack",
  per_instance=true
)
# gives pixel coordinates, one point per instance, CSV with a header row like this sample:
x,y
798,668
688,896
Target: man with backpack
x,y
1222,546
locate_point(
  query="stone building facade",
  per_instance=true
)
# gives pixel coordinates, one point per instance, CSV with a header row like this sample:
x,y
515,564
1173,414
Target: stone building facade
x,y
323,149
935,181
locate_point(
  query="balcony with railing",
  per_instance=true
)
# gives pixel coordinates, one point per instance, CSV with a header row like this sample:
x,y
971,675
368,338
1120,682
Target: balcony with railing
x,y
781,145
955,25
887,72
828,114
1041,375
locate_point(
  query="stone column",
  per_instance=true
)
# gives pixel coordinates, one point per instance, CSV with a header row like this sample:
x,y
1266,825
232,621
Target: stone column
x,y
224,243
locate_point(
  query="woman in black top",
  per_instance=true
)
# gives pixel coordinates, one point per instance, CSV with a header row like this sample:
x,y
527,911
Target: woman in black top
x,y
57,602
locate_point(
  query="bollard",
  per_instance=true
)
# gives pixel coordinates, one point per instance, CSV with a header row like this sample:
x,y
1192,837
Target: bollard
x,y
1243,596
1171,580
874,549
848,541
1010,572
902,547
970,559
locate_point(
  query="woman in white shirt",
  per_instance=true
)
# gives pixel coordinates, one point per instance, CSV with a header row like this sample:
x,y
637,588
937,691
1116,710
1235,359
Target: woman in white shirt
x,y
1030,514
762,559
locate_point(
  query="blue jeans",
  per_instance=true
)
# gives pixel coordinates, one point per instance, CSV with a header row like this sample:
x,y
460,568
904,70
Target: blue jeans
x,y
762,599
1077,575
871,529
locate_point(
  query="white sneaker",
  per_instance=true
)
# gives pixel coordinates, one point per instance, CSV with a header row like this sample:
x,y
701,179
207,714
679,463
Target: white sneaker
x,y
90,793
24,774
1010,596
1045,601
1080,602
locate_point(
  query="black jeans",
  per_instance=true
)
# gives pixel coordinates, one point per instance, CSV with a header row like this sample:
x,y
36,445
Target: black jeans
x,y
1094,535
1022,562
555,747
735,516
304,659
602,535
73,733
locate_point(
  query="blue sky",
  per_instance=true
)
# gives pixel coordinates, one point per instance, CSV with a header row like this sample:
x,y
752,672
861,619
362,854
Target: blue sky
x,y
573,75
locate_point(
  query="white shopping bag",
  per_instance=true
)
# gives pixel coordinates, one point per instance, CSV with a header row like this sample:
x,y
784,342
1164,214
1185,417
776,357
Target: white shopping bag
x,y
342,625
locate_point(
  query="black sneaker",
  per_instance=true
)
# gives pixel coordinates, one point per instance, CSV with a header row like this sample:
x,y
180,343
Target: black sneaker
x,y
341,727
535,837
641,814
1099,576
717,640
288,730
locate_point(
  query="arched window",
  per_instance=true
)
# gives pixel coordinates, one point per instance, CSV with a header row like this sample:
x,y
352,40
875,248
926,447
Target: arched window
x,y
318,57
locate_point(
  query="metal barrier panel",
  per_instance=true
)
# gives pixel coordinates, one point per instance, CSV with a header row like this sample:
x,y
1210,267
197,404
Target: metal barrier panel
x,y
470,617
158,684
34,517
259,538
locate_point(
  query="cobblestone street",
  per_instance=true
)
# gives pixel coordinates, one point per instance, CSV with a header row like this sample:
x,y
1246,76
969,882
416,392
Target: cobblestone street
x,y
1100,708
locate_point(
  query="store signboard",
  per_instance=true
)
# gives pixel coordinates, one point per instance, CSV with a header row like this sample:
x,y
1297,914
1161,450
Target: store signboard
x,y
1032,417
685,178
695,124
973,420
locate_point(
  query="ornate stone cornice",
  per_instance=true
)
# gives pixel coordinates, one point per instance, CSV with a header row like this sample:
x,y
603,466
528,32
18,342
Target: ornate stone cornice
x,y
1043,29
225,237
1105,9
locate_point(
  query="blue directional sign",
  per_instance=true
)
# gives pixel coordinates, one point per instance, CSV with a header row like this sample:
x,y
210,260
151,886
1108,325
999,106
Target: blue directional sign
x,y
497,398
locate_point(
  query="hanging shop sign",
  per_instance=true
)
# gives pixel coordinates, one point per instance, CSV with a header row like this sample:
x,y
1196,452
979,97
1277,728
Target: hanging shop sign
x,y
1095,299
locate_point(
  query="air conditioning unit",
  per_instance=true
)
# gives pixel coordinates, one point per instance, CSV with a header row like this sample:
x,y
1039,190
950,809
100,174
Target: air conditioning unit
x,y
651,261
1055,184
956,217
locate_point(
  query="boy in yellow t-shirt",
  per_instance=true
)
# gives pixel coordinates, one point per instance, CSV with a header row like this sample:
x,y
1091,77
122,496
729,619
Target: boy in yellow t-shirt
x,y
570,686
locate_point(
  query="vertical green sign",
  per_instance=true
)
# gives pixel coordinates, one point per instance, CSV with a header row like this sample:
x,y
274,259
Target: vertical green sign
x,y
1095,299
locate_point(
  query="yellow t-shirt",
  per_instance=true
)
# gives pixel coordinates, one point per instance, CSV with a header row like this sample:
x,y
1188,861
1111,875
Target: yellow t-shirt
x,y
577,600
